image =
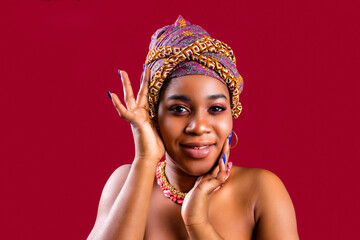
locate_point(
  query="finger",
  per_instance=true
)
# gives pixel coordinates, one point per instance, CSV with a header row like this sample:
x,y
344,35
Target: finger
x,y
222,161
221,174
123,112
226,154
198,180
220,170
142,98
208,185
128,92
213,180
215,171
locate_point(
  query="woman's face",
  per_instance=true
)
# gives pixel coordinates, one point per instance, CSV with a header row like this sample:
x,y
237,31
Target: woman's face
x,y
194,118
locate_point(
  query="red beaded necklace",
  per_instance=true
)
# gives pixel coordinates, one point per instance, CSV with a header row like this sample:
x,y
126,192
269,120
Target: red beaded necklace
x,y
169,191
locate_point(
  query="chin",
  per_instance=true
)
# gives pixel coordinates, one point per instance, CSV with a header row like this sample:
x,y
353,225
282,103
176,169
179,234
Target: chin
x,y
198,167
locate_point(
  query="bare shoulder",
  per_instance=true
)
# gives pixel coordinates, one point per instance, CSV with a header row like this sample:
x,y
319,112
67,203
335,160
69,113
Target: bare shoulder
x,y
273,209
109,194
261,181
118,177
112,189
115,183
266,185
256,178
257,174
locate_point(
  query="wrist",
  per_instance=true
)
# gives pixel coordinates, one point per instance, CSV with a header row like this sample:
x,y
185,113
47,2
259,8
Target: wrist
x,y
146,162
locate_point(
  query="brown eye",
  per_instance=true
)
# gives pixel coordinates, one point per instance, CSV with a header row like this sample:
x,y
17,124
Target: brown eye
x,y
178,109
217,109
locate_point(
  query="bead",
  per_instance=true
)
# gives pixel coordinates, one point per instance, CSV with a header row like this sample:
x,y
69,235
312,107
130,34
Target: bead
x,y
169,190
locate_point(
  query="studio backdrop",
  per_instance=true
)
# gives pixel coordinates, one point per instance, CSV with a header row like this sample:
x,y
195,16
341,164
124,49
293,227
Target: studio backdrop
x,y
61,137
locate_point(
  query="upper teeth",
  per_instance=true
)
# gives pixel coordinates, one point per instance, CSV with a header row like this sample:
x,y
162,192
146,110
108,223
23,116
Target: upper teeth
x,y
199,147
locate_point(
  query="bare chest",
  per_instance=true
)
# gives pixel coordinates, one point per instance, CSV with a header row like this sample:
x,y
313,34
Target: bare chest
x,y
229,217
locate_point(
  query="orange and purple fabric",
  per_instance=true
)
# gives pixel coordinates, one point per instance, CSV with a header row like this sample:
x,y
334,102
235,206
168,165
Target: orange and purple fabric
x,y
185,49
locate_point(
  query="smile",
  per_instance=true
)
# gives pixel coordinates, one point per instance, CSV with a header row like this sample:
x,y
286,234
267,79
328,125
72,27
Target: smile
x,y
197,150
197,147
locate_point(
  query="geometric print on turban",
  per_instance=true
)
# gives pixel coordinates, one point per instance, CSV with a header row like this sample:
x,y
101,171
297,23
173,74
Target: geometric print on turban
x,y
205,51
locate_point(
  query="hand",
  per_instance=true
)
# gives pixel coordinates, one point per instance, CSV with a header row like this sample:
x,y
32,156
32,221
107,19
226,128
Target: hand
x,y
148,144
195,208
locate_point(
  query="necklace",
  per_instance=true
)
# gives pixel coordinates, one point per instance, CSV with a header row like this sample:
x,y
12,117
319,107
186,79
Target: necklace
x,y
169,191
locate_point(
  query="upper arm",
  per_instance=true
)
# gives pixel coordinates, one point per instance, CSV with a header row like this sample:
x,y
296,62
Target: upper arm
x,y
274,211
109,194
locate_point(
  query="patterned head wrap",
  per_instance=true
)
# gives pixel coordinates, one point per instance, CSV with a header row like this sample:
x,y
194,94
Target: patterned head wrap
x,y
183,49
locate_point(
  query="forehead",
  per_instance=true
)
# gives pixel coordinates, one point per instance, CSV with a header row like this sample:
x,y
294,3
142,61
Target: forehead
x,y
195,86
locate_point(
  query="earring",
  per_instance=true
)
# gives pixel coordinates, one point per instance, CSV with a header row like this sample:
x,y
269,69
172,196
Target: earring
x,y
234,133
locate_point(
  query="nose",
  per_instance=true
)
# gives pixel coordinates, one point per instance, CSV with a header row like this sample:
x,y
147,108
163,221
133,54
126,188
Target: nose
x,y
198,124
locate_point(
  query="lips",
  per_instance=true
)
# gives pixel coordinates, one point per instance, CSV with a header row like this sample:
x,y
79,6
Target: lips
x,y
197,149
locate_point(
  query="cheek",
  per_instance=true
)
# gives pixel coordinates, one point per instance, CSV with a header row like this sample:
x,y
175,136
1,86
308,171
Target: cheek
x,y
224,127
165,130
170,129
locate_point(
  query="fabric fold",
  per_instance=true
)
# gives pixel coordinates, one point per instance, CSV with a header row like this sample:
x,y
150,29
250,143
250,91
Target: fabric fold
x,y
186,49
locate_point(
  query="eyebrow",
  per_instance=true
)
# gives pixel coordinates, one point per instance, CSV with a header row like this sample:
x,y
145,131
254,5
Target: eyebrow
x,y
187,99
213,97
179,97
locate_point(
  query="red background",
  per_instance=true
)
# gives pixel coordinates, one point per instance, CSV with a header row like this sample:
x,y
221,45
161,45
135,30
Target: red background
x,y
61,138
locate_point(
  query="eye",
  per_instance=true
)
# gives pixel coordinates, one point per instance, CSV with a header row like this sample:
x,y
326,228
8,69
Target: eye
x,y
217,109
178,109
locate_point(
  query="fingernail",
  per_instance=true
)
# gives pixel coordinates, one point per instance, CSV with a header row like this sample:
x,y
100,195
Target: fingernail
x,y
142,75
230,137
119,71
224,158
109,94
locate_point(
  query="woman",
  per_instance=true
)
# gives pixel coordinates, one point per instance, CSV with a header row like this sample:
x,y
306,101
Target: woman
x,y
189,93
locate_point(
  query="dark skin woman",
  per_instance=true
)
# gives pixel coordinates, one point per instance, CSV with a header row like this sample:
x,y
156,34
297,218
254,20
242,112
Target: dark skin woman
x,y
192,129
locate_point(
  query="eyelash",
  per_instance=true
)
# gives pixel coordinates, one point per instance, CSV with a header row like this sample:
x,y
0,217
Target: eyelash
x,y
178,109
219,109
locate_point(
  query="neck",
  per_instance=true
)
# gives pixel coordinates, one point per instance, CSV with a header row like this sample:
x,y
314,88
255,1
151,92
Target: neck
x,y
180,180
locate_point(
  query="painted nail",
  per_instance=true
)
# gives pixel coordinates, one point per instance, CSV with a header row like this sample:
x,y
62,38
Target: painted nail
x,y
224,158
230,137
119,71
109,94
142,75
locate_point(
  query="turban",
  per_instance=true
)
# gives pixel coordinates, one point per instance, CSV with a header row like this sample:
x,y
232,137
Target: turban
x,y
184,49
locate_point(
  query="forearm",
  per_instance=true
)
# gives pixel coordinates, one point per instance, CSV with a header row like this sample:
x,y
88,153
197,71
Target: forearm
x,y
128,215
203,231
